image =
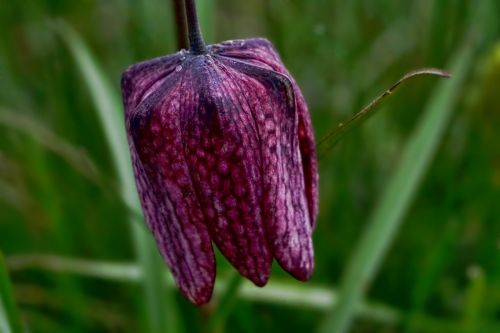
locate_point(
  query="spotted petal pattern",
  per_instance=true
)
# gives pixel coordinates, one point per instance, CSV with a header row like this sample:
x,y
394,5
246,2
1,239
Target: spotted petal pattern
x,y
223,151
260,51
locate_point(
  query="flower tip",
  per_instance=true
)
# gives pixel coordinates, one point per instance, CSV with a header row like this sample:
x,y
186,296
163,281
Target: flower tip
x,y
302,273
303,276
201,298
261,281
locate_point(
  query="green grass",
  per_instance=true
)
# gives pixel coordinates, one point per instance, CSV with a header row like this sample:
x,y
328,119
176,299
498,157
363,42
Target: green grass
x,y
398,195
10,322
160,309
407,237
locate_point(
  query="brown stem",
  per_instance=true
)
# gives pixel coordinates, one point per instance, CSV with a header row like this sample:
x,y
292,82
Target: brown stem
x,y
196,42
180,24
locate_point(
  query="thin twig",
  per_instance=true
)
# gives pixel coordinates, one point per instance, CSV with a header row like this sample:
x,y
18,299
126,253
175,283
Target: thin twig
x,y
335,135
180,24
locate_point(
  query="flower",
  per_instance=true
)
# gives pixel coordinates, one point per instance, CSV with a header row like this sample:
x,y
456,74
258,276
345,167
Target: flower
x,y
223,150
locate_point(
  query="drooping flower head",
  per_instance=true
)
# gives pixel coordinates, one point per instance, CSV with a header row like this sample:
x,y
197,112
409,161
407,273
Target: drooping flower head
x,y
223,150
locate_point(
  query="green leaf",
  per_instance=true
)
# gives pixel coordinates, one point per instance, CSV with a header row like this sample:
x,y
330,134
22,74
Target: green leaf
x,y
397,197
10,322
160,309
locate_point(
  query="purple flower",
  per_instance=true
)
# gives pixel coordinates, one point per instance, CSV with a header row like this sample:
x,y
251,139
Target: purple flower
x,y
223,151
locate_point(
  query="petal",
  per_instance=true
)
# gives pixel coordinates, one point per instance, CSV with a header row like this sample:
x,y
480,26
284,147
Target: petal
x,y
285,205
140,80
260,52
223,151
166,190
308,155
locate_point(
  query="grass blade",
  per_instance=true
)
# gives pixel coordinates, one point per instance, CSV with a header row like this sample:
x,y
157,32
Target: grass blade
x,y
397,197
226,303
226,290
474,299
36,130
161,311
279,293
10,322
332,138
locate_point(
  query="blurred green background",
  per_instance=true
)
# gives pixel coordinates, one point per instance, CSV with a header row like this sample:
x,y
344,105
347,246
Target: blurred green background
x,y
408,237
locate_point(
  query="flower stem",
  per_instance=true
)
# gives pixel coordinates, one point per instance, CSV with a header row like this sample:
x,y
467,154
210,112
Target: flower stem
x,y
180,24
196,42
